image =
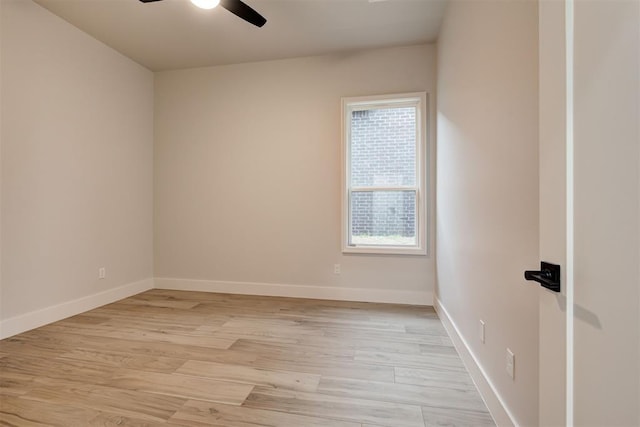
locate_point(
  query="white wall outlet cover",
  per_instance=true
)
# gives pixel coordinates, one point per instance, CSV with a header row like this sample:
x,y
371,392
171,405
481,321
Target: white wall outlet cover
x,y
482,336
511,361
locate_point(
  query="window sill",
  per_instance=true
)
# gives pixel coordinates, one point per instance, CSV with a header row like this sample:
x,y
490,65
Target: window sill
x,y
387,250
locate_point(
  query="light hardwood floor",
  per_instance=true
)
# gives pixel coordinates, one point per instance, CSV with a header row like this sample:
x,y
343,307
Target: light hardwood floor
x,y
170,358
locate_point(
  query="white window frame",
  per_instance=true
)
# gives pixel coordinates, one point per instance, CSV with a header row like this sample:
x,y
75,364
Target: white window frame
x,y
350,104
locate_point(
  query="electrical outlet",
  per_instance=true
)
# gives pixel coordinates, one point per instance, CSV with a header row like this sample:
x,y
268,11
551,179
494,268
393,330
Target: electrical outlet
x,y
511,364
482,331
102,273
336,268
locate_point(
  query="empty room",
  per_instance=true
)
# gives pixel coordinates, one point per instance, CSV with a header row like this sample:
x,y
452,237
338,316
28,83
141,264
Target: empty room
x,y
323,213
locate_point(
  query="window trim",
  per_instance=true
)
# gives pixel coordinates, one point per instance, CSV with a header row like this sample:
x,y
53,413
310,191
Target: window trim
x,y
420,101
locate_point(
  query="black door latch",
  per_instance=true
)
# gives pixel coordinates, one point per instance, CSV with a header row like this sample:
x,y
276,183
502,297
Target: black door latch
x,y
548,276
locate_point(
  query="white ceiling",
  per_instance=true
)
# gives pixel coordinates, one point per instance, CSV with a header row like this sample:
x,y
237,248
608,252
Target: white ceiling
x,y
174,34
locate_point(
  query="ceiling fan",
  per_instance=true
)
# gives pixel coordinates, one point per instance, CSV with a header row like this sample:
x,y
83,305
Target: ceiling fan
x,y
237,7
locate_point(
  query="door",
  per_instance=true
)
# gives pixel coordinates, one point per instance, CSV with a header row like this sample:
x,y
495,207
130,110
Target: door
x,y
553,212
589,212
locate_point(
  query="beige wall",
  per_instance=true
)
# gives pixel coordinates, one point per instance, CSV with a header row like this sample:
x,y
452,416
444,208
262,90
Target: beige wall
x,y
247,170
487,186
1,315
607,217
77,141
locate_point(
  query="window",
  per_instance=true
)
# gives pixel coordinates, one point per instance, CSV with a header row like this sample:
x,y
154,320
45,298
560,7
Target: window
x,y
384,177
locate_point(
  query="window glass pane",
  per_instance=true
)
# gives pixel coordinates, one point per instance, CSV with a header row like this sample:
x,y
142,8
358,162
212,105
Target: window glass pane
x,y
383,147
383,218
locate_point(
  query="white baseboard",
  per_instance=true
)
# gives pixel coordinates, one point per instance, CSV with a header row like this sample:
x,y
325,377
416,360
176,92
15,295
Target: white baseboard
x,y
25,322
298,291
496,405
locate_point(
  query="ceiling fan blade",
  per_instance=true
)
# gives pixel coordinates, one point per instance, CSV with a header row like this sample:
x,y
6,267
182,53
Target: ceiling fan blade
x,y
149,1
241,10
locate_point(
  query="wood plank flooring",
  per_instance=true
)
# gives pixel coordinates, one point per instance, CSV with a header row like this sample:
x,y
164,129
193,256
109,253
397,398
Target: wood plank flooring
x,y
172,358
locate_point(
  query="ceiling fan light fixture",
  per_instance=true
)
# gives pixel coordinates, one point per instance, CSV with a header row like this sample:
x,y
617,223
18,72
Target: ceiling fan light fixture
x,y
206,4
237,7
